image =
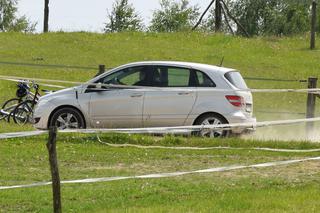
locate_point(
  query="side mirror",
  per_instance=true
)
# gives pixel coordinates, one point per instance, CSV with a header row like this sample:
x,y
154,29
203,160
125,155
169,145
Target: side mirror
x,y
98,85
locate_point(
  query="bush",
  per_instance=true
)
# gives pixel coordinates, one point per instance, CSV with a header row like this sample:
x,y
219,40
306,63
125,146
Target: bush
x,y
123,18
174,16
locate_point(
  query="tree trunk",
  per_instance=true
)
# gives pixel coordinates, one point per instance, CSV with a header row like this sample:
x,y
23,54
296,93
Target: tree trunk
x,y
313,25
46,16
218,16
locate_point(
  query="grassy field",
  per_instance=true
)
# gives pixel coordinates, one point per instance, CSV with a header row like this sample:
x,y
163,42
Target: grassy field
x,y
292,188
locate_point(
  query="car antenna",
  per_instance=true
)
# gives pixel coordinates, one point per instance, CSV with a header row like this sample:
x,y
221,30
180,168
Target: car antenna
x,y
221,62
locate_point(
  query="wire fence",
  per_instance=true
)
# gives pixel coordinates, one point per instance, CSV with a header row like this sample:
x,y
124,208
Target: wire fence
x,y
101,69
108,68
48,65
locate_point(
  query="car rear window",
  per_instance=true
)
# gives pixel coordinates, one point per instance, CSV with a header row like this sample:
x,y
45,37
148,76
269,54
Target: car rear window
x,y
236,80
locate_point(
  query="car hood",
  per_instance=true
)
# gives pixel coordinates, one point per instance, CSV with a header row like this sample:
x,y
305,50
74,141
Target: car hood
x,y
56,94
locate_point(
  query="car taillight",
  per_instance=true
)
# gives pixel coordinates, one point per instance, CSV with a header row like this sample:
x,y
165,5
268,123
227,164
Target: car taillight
x,y
235,100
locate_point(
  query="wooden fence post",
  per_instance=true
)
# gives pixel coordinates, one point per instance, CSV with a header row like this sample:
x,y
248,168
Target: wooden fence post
x,y
102,68
51,146
311,103
313,25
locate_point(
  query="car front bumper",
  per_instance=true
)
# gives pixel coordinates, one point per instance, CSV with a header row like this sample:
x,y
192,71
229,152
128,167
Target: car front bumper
x,y
42,114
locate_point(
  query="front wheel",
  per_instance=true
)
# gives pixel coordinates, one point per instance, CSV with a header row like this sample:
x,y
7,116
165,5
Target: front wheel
x,y
23,113
212,119
67,118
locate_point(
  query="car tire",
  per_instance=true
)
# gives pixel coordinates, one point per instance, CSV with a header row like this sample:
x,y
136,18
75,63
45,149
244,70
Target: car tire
x,y
67,118
211,119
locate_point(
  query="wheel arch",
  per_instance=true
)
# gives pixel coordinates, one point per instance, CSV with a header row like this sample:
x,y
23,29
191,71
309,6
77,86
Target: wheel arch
x,y
209,113
66,106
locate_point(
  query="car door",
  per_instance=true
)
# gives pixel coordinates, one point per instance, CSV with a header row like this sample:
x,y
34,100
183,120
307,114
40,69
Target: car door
x,y
119,107
172,98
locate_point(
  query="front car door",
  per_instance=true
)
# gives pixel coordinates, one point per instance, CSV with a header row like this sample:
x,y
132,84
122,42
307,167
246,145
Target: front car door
x,y
171,100
119,107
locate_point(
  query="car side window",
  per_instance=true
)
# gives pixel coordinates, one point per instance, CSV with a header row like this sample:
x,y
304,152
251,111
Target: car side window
x,y
132,76
171,77
164,76
178,77
202,80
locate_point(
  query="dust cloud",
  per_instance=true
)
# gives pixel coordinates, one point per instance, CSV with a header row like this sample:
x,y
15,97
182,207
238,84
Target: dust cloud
x,y
292,132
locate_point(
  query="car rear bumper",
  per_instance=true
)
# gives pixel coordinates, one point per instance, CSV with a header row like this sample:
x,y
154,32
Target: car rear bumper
x,y
246,124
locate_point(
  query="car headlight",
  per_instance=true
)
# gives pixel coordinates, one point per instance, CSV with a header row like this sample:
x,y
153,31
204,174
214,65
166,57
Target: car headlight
x,y
41,106
41,103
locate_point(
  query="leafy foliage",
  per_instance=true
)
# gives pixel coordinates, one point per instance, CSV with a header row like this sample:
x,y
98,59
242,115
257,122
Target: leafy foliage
x,y
9,20
174,16
123,18
284,17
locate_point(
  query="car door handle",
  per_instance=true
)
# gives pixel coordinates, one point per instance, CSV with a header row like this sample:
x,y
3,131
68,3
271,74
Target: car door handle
x,y
184,93
137,95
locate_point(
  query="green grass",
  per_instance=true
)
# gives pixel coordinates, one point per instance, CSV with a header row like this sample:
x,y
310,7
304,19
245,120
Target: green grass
x,y
292,188
283,188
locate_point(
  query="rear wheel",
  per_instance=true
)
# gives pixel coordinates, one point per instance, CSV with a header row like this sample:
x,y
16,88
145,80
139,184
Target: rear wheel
x,y
8,108
67,118
212,119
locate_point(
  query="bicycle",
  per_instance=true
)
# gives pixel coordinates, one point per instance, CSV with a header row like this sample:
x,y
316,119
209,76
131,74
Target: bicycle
x,y
8,107
23,112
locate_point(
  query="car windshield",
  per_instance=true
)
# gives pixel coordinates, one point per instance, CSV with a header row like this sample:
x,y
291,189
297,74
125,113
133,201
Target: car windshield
x,y
236,80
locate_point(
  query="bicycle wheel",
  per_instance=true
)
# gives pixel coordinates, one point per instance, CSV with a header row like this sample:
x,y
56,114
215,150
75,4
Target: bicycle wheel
x,y
21,116
8,107
23,113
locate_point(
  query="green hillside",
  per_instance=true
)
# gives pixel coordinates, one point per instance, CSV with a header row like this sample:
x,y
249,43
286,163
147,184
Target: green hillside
x,y
256,57
269,57
285,188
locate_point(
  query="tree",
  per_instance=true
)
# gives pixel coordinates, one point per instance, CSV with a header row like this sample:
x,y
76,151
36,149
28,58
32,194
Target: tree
x,y
174,16
9,21
208,24
275,17
123,18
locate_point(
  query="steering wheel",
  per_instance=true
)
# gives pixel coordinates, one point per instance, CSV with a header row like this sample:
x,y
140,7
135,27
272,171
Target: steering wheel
x,y
117,81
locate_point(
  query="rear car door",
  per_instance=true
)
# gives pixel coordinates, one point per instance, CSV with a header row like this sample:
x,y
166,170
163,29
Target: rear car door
x,y
119,107
171,100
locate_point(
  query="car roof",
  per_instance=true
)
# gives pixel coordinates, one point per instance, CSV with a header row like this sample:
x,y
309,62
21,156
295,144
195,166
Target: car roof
x,y
198,66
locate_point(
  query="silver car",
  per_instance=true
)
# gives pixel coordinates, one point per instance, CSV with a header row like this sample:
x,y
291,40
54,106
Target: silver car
x,y
151,94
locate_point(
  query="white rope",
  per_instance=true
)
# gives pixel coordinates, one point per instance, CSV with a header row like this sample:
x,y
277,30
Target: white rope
x,y
5,77
194,128
167,130
41,84
10,78
21,134
166,175
207,148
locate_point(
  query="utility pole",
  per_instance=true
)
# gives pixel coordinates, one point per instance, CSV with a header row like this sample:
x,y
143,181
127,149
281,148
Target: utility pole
x,y
218,16
46,16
